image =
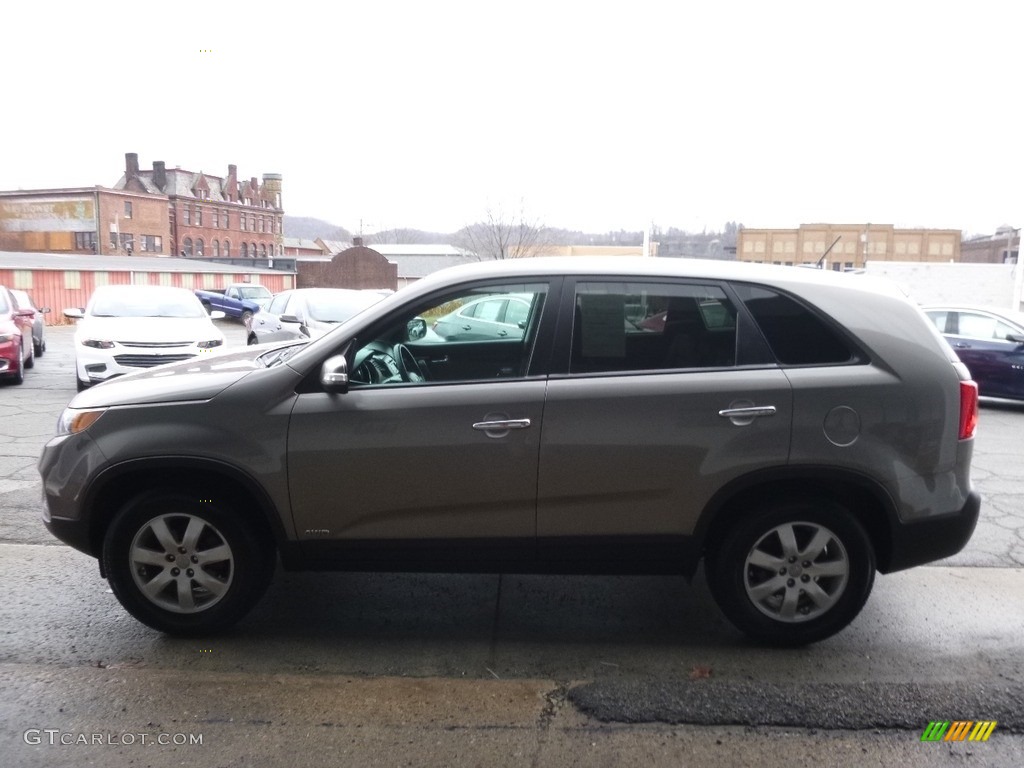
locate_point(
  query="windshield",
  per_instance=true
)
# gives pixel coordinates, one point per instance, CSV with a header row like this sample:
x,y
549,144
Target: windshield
x,y
336,308
146,304
254,292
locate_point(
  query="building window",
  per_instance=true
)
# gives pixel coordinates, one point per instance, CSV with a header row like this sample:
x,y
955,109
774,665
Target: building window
x,y
216,249
199,247
151,243
186,247
252,251
85,241
252,223
127,209
187,212
227,249
216,216
263,250
241,220
199,216
244,251
259,223
128,242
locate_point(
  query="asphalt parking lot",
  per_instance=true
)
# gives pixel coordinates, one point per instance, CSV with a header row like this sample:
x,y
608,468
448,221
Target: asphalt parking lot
x,y
394,669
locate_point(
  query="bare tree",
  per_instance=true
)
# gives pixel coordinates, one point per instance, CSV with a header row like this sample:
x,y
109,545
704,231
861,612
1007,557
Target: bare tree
x,y
502,236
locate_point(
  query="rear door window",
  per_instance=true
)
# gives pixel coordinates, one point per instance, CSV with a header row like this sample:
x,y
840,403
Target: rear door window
x,y
627,326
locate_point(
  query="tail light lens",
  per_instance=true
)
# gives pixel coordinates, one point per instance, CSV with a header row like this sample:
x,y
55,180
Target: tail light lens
x,y
968,409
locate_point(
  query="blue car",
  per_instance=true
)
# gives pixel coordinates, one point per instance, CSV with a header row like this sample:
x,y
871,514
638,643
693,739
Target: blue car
x,y
990,342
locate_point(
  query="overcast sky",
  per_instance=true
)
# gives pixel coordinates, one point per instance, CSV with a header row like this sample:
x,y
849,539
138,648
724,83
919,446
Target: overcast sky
x,y
597,116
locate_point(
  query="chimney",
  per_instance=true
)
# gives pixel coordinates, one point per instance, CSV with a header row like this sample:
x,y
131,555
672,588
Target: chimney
x,y
232,171
357,241
131,166
159,174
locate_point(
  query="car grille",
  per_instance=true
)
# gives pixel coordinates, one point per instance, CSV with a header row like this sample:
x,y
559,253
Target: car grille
x,y
148,361
156,344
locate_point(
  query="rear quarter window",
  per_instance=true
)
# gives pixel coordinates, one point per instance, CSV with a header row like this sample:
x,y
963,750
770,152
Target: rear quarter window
x,y
796,334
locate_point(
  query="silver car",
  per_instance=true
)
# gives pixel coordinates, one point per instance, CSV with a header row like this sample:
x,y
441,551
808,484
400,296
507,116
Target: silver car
x,y
795,431
307,313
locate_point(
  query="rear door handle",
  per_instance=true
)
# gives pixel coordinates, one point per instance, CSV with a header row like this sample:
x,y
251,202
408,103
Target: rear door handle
x,y
744,415
753,411
501,425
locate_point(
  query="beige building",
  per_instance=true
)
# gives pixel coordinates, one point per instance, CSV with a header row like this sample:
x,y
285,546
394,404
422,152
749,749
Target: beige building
x,y
846,246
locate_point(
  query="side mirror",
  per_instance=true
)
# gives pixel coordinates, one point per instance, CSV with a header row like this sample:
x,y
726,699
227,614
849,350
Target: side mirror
x,y
75,313
289,319
334,374
415,329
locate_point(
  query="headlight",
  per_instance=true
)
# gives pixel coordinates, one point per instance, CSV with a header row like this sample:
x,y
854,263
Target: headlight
x,y
74,420
209,344
98,344
5,337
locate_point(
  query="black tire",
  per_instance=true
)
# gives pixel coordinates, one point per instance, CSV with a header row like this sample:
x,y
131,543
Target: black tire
x,y
792,573
187,597
252,340
40,348
246,317
17,376
31,362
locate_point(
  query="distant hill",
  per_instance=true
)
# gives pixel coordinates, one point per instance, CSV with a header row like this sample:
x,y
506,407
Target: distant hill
x,y
309,228
671,241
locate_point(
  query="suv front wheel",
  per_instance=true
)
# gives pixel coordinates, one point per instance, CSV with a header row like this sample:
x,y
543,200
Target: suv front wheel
x,y
185,565
792,573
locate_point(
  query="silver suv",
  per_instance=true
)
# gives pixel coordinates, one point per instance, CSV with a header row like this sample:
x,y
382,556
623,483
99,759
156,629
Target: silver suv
x,y
793,429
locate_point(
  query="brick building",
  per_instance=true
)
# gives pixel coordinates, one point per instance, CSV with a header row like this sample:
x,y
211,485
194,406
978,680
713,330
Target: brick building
x,y
85,220
1001,248
846,246
354,267
213,216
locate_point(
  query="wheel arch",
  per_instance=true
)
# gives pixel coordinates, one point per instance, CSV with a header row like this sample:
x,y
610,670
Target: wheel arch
x,y
117,484
870,503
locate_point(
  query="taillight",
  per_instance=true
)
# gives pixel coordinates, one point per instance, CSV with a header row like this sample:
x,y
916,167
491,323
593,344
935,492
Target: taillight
x,y
968,409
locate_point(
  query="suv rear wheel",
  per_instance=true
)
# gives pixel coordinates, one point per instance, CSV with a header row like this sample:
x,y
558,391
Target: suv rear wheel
x,y
185,565
792,573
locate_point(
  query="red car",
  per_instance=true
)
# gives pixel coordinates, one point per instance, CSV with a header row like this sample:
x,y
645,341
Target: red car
x,y
16,352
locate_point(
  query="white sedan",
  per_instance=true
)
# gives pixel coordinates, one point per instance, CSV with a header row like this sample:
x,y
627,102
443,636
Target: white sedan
x,y
125,328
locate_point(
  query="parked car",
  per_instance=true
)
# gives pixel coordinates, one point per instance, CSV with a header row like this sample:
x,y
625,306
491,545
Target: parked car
x,y
38,323
488,317
307,313
990,342
16,352
238,300
795,430
126,328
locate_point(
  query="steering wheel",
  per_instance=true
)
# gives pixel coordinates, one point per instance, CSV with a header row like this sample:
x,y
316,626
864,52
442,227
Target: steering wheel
x,y
408,367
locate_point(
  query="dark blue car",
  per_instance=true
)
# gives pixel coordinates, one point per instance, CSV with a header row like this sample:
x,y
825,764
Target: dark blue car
x,y
990,342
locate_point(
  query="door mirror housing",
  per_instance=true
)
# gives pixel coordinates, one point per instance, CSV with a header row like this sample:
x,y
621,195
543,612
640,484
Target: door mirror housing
x,y
334,374
415,329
